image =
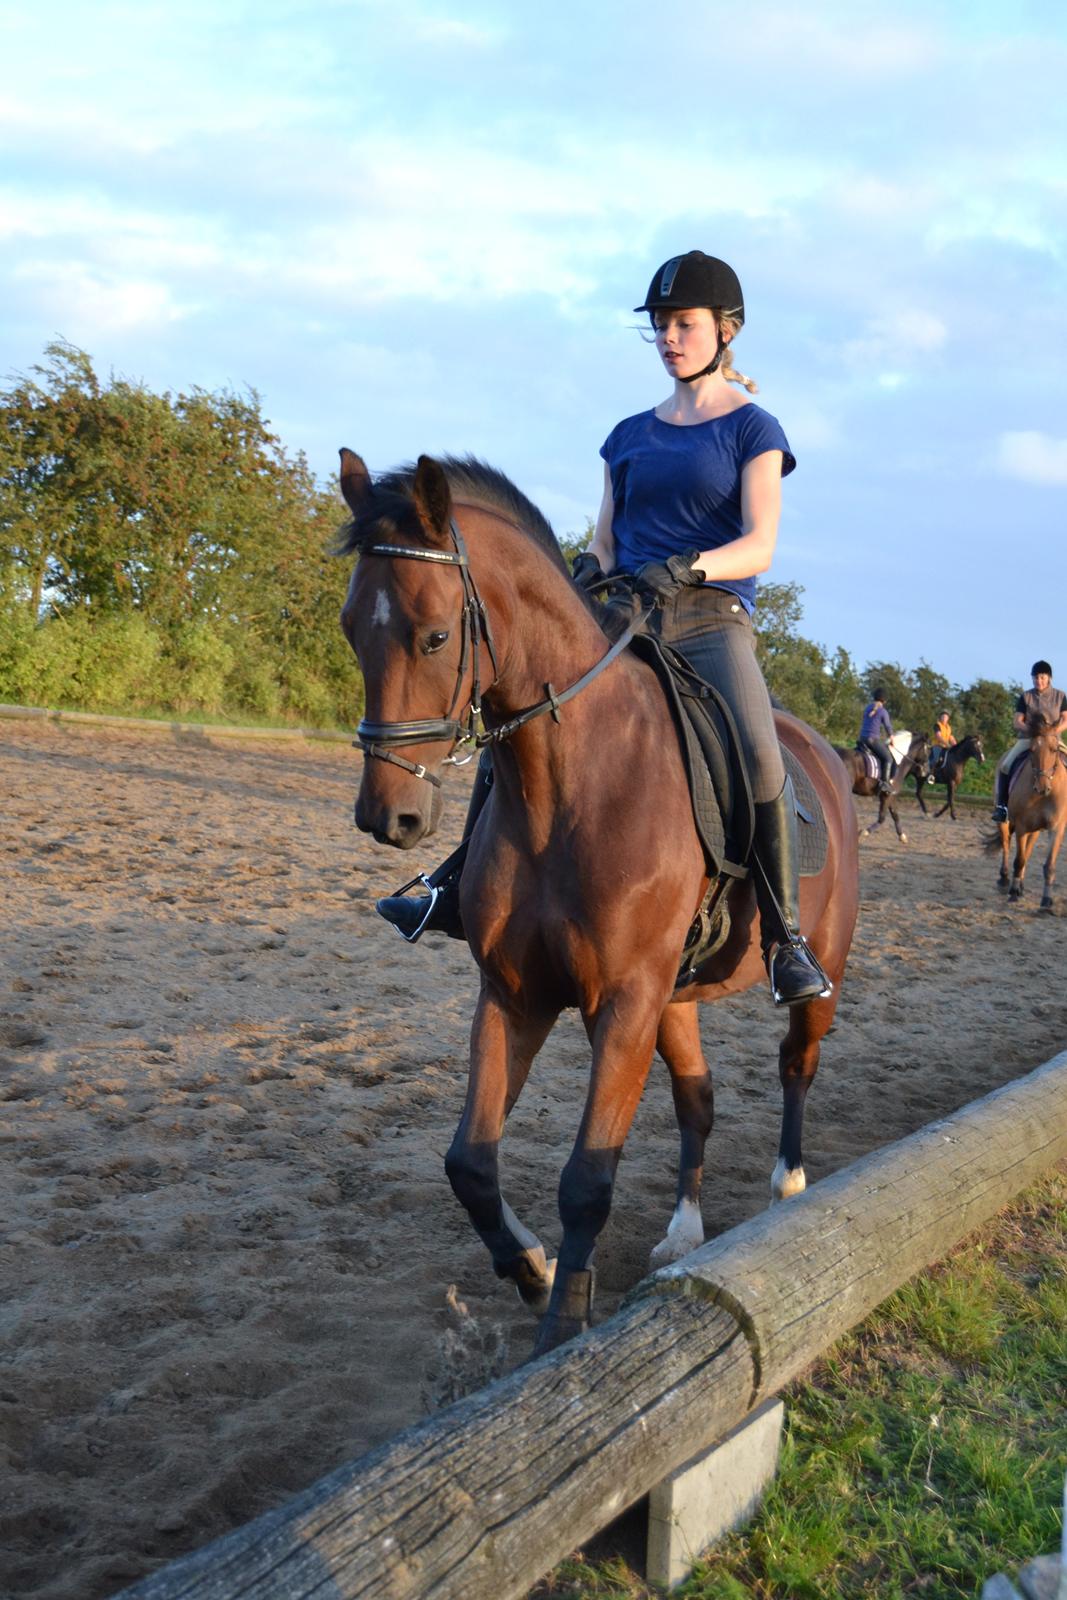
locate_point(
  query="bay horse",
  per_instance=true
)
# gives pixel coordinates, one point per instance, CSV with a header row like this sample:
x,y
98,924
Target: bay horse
x,y
950,772
911,751
1037,799
585,869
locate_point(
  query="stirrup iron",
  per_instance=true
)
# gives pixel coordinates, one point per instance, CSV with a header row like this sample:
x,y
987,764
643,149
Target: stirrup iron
x,y
433,890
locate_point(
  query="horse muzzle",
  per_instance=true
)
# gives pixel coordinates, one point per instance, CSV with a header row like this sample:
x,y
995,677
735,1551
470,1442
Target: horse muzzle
x,y
400,820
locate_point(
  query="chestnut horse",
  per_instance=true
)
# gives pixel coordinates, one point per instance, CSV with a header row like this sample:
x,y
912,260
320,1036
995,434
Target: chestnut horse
x,y
1037,799
917,754
585,869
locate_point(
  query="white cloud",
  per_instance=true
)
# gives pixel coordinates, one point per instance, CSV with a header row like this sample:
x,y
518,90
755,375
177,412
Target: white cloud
x,y
451,31
1033,458
894,339
84,302
843,44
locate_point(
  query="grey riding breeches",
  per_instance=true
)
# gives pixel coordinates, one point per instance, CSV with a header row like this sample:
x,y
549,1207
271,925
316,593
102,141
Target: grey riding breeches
x,y
713,631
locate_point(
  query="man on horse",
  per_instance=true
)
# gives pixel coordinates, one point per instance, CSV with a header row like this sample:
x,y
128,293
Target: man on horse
x,y
875,730
1041,701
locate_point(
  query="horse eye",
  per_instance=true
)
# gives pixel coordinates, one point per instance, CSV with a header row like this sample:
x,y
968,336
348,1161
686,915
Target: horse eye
x,y
434,641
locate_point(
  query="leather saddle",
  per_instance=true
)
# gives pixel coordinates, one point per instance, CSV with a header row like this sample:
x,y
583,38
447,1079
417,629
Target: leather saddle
x,y
721,796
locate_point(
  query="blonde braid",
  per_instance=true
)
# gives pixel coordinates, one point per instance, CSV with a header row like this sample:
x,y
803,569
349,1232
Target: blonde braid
x,y
729,328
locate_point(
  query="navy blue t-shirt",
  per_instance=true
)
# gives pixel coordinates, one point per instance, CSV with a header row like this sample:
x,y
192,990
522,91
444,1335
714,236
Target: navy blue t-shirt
x,y
679,488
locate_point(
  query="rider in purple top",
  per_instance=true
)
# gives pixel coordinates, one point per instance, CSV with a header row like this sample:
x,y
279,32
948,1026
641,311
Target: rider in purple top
x,y
875,730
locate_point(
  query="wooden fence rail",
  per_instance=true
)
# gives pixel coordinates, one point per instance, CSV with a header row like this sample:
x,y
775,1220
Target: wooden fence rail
x,y
484,1497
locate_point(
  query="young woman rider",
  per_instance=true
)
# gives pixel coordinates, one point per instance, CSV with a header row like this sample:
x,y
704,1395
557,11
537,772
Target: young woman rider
x,y
690,509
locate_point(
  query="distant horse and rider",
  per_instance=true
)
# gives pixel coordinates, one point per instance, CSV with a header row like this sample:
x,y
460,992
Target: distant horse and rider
x,y
946,767
588,867
907,753
1037,800
1031,792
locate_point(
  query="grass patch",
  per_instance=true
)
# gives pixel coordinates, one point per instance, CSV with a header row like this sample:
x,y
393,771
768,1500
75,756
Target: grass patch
x,y
925,1452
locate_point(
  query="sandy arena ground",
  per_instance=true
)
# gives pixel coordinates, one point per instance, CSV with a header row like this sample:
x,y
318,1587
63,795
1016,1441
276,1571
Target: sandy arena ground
x,y
226,1232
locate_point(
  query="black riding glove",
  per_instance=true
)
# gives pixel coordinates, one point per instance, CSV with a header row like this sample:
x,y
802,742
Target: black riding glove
x,y
661,579
586,570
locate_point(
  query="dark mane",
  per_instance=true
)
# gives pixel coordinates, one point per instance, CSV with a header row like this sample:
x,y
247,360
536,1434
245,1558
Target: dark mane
x,y
470,480
1036,725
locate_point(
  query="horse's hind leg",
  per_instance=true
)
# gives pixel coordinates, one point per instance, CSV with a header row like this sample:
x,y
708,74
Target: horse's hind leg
x,y
901,835
678,1042
502,1049
798,1061
1024,845
1004,830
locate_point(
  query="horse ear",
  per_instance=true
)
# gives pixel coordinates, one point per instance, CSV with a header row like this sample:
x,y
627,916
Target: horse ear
x,y
355,479
433,499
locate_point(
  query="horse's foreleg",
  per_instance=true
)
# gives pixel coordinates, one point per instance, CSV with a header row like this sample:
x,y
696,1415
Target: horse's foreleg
x,y
623,1035
502,1048
901,835
798,1061
1055,840
919,794
678,1042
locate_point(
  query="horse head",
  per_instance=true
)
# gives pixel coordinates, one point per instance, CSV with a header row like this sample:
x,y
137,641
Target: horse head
x,y
919,754
1044,753
412,618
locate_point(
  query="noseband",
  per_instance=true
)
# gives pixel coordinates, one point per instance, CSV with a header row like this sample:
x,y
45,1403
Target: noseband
x,y
376,738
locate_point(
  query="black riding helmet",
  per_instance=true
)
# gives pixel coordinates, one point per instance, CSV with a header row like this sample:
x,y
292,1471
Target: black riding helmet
x,y
696,280
1040,666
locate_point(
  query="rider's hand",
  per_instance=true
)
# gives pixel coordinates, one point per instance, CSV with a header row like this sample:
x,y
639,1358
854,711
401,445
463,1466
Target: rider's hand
x,y
586,570
660,579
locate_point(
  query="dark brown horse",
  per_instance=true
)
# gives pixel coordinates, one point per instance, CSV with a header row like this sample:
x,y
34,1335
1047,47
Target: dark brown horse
x,y
949,771
916,754
585,868
1037,799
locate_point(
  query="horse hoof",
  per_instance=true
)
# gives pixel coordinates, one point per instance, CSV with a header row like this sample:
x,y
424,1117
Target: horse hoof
x,y
685,1233
786,1181
555,1331
903,838
533,1277
569,1311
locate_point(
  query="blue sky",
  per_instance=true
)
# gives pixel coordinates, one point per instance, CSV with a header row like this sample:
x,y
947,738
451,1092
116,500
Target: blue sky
x,y
414,226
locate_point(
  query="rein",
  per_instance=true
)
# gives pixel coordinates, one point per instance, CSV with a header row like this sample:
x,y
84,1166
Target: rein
x,y
376,738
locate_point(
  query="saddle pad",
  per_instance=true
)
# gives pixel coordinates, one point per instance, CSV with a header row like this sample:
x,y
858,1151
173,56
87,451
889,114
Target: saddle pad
x,y
718,785
873,769
811,823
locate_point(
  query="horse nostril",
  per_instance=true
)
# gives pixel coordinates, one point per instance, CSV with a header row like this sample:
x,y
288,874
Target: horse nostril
x,y
409,827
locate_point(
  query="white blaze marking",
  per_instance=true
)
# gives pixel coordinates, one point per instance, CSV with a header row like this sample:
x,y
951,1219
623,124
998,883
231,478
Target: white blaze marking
x,y
381,609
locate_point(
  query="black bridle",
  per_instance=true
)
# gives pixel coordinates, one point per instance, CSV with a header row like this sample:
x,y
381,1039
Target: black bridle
x,y
376,738
1043,776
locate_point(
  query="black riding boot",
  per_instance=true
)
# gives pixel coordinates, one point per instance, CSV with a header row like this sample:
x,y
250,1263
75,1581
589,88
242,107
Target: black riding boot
x,y
1000,798
438,910
794,972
